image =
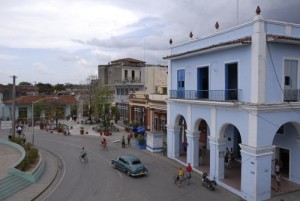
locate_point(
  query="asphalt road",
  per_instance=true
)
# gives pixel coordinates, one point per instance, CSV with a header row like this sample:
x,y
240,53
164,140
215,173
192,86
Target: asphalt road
x,y
97,180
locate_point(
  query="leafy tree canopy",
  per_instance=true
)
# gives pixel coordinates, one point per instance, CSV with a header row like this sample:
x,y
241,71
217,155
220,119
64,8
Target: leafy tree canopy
x,y
102,105
25,84
45,88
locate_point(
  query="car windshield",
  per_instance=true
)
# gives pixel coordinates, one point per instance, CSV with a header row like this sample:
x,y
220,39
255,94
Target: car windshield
x,y
136,162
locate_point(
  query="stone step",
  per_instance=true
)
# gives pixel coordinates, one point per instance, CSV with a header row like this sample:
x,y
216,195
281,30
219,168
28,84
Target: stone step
x,y
11,185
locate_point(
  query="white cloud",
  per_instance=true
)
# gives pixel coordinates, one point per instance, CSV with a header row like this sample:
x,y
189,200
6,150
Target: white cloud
x,y
42,69
67,39
40,24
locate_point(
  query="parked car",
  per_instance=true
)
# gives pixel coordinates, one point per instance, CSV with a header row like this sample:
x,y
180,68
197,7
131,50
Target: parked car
x,y
130,164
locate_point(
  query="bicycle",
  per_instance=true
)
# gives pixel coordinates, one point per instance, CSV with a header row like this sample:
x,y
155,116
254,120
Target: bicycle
x,y
84,159
104,146
180,179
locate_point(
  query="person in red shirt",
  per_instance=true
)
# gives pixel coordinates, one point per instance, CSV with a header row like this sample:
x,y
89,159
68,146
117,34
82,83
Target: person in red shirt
x,y
104,143
189,170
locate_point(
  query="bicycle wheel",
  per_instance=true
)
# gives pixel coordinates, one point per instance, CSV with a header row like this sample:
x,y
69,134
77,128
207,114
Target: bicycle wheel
x,y
175,179
86,160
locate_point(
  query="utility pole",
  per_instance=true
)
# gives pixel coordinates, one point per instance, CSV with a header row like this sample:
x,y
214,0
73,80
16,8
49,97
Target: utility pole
x,y
14,106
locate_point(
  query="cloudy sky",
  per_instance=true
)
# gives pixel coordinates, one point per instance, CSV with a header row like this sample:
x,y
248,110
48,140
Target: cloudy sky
x,y
63,41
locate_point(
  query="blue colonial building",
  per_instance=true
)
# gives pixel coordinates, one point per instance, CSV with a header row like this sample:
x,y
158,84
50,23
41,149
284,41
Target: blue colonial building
x,y
237,89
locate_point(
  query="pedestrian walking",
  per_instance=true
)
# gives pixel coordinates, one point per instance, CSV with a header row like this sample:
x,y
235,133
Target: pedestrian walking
x,y
128,140
123,142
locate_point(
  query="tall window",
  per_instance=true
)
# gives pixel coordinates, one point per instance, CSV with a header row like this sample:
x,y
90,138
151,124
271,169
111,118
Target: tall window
x,y
180,83
126,75
133,75
291,80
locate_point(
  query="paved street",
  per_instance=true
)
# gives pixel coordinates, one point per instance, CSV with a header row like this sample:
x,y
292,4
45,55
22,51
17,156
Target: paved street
x,y
97,180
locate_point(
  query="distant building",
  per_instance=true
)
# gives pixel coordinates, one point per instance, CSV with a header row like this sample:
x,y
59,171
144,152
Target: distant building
x,y
123,76
6,93
66,104
148,107
237,89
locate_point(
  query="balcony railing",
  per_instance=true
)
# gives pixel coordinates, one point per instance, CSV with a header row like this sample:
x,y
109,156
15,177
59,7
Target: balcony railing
x,y
208,95
292,95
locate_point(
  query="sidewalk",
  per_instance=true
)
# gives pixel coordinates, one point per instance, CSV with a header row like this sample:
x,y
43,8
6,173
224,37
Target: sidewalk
x,y
32,191
9,156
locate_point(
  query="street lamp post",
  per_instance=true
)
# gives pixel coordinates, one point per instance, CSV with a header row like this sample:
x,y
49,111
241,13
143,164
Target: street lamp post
x,y
32,115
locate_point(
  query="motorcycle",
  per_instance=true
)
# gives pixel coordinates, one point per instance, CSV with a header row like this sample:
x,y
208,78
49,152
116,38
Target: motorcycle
x,y
210,184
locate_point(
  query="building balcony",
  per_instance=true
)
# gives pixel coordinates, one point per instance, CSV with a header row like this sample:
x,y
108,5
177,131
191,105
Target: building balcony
x,y
207,95
131,80
292,95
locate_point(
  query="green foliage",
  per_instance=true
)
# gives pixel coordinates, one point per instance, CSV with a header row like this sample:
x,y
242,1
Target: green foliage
x,y
25,84
31,155
45,88
102,105
115,112
16,140
59,87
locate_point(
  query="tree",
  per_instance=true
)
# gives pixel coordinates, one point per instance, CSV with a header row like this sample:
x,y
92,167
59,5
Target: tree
x,y
25,84
52,109
45,88
115,112
59,88
102,105
87,92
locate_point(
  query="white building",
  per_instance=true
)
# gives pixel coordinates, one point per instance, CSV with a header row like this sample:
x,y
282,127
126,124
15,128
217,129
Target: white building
x,y
238,89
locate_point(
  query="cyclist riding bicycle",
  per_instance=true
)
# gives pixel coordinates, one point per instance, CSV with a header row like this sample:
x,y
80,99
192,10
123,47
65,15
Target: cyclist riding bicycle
x,y
83,153
189,170
180,174
104,143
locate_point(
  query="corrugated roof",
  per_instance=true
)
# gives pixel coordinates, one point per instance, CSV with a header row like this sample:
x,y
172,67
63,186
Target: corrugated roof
x,y
26,100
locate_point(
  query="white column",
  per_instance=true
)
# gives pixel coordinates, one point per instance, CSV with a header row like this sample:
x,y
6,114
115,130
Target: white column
x,y
258,66
256,172
193,148
173,141
217,153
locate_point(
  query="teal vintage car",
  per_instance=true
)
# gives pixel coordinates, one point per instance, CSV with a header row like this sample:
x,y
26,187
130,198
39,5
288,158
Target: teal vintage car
x,y
129,164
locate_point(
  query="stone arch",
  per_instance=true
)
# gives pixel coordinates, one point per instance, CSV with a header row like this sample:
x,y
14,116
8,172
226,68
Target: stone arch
x,y
287,150
232,154
180,121
203,153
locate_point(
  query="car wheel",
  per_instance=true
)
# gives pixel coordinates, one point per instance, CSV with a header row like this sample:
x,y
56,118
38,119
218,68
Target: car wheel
x,y
114,165
128,173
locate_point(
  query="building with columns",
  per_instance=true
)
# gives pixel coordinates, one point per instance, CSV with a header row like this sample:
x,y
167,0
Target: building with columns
x,y
237,89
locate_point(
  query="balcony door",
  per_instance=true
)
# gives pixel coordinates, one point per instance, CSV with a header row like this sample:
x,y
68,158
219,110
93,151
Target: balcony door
x,y
202,82
291,80
231,81
180,83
